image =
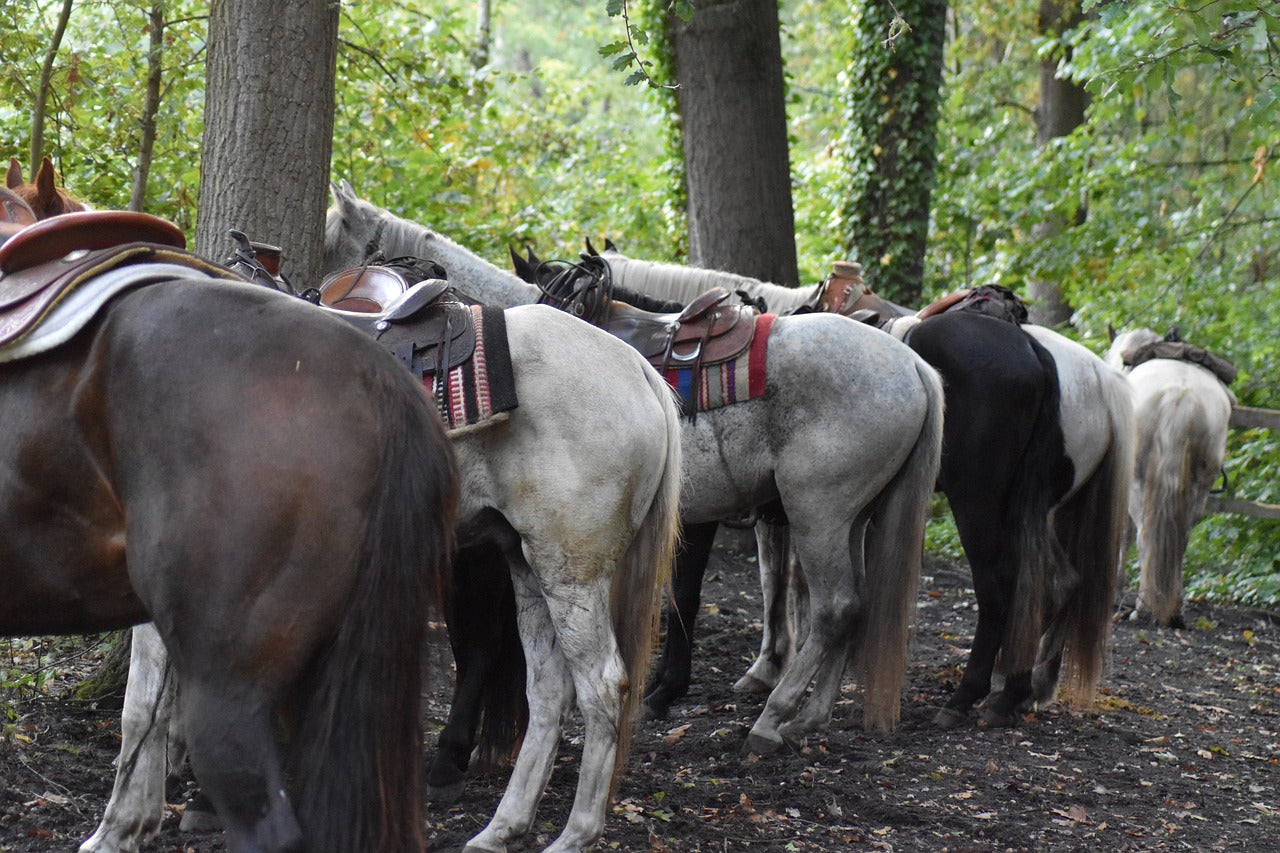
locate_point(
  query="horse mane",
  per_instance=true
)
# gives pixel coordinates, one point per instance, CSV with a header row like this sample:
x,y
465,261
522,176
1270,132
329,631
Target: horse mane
x,y
684,284
467,271
41,194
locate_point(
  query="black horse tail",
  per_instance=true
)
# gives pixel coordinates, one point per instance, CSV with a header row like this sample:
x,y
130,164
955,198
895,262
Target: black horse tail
x,y
1032,496
484,634
357,754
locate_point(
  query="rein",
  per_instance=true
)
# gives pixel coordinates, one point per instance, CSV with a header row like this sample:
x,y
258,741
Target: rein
x,y
581,289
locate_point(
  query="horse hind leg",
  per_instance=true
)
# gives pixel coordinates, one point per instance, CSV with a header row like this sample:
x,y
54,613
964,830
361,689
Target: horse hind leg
x,y
236,757
136,806
549,687
785,605
671,676
836,584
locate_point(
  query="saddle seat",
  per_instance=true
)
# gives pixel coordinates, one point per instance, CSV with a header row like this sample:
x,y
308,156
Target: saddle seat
x,y
706,332
41,263
424,325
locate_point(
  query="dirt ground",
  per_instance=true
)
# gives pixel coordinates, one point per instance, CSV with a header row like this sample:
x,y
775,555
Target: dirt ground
x,y
1180,753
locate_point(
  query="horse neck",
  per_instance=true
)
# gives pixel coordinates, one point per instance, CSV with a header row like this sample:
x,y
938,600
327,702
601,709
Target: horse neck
x,y
467,271
684,284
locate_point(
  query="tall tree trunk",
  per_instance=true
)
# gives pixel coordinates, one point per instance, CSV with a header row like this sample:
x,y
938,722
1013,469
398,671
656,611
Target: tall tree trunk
x,y
893,94
1061,110
480,55
268,128
39,109
146,145
728,61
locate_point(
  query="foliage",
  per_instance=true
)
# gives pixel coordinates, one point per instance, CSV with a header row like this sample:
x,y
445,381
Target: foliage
x,y
1171,181
890,122
1176,225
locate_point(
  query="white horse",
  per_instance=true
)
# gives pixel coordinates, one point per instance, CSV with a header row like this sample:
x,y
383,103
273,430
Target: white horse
x,y
1182,410
847,436
580,487
1055,525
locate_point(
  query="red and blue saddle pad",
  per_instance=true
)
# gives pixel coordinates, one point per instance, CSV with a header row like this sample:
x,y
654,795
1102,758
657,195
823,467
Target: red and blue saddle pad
x,y
734,381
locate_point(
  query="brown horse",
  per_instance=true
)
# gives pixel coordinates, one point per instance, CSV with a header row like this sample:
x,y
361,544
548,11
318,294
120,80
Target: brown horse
x,y
40,193
270,488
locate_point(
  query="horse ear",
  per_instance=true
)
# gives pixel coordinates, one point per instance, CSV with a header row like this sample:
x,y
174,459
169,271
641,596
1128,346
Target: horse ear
x,y
1111,333
44,183
343,194
517,262
13,178
591,250
609,246
533,259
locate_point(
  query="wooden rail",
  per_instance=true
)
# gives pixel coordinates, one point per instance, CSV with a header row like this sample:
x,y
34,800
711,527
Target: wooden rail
x,y
1244,417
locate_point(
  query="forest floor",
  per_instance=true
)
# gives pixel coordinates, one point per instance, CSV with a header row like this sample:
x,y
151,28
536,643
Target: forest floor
x,y
1181,752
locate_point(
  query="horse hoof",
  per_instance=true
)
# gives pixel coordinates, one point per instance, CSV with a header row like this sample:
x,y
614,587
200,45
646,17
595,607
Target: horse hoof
x,y
654,712
444,794
991,719
751,685
950,718
760,745
199,820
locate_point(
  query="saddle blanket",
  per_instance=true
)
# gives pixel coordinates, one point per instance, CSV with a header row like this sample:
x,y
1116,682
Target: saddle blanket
x,y
481,391
734,381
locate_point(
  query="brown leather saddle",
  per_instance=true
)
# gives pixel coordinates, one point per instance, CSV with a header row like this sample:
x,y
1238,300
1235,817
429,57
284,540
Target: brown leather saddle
x,y
418,319
41,263
705,333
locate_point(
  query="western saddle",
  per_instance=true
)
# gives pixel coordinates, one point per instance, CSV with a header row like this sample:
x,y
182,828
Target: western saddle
x,y
706,332
41,262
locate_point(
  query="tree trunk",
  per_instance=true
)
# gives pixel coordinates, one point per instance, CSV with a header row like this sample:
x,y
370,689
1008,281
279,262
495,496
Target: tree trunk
x,y
480,55
891,136
728,61
268,129
1061,110
105,686
146,144
39,110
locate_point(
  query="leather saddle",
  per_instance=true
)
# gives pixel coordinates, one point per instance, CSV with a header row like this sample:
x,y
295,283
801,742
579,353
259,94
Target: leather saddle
x,y
408,307
425,326
41,263
706,332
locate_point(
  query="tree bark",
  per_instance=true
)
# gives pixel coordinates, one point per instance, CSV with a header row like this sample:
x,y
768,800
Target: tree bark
x,y
268,132
39,109
891,142
728,62
147,142
1061,110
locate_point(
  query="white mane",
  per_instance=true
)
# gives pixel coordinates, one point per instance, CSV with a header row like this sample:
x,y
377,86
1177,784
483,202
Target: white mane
x,y
684,284
380,230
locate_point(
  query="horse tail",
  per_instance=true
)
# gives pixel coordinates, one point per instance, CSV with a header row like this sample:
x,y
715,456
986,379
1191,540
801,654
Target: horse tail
x,y
894,552
1031,498
1174,488
483,629
645,575
1093,527
357,753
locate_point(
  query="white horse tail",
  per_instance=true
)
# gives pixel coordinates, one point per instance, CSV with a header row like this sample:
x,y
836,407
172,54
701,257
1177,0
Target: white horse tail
x,y
894,552
1179,471
1093,528
645,575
